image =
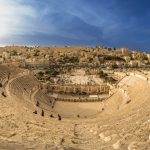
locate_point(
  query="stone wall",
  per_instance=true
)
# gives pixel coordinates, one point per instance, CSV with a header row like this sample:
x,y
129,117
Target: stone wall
x,y
79,89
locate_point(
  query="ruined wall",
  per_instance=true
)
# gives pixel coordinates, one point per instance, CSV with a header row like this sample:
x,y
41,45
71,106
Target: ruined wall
x,y
81,89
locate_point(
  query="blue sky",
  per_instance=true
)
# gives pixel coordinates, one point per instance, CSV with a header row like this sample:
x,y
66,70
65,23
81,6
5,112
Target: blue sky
x,y
113,23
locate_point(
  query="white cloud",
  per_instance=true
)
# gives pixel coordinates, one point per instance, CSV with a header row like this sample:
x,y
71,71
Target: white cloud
x,y
24,17
15,17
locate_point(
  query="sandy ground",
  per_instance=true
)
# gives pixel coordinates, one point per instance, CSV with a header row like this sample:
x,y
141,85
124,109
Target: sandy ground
x,y
84,110
122,125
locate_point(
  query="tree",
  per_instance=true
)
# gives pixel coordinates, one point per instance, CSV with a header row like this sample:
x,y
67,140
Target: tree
x,y
41,74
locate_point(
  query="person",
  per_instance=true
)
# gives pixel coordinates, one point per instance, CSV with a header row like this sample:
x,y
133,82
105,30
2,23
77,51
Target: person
x,y
4,94
35,112
42,112
1,85
37,104
59,117
51,116
8,76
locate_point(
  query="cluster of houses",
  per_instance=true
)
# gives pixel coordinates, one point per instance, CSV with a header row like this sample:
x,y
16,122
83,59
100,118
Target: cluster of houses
x,y
100,56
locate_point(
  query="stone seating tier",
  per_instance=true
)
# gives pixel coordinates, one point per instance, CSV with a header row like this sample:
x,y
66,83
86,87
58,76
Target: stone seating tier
x,y
45,102
23,85
3,77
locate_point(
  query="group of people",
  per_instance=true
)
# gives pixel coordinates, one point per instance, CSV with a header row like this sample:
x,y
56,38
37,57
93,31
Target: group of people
x,y
42,113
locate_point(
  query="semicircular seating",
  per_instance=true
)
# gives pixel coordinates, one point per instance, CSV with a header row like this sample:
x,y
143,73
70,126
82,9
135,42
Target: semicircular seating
x,y
28,88
24,85
4,74
44,101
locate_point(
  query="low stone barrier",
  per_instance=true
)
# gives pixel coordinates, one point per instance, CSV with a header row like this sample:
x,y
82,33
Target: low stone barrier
x,y
81,99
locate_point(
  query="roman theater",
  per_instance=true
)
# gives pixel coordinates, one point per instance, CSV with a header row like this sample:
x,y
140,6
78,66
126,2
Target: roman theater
x,y
74,110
